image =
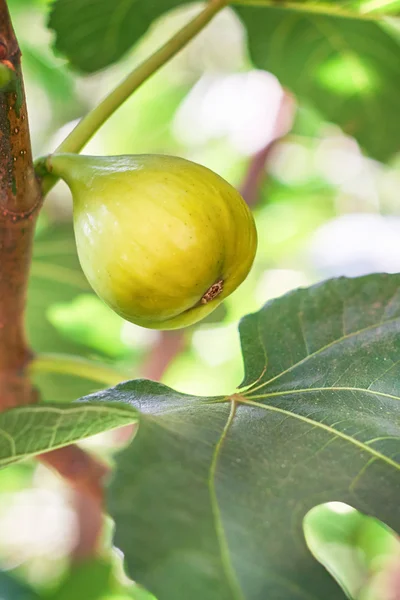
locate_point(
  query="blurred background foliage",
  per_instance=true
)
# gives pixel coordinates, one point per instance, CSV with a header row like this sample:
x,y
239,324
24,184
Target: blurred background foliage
x,y
323,208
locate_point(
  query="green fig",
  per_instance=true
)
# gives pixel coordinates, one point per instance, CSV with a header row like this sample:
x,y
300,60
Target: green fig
x,y
162,240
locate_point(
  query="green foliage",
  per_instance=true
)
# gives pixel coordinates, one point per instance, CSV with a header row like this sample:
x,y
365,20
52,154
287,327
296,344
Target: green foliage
x,y
89,322
56,285
352,546
56,277
221,496
94,43
361,8
93,36
29,430
13,589
96,579
211,495
347,68
91,580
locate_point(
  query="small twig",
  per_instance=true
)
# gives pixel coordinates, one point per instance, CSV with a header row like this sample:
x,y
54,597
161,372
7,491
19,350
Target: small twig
x,y
256,172
90,519
86,475
255,175
168,346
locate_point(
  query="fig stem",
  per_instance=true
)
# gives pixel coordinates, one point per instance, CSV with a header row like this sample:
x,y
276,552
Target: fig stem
x,y
72,365
89,124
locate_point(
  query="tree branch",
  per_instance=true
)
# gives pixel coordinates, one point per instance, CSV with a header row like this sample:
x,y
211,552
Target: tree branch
x,y
257,171
86,475
167,348
20,199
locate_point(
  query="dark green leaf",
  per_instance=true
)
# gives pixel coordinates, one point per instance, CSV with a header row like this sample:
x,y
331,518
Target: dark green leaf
x,y
211,495
96,34
348,68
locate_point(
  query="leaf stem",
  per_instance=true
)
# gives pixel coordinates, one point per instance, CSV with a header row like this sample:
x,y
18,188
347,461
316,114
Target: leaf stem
x,y
78,367
89,124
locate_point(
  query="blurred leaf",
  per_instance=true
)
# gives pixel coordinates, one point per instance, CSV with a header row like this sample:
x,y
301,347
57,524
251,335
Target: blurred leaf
x,y
13,589
60,302
96,34
29,430
143,123
16,478
211,495
56,280
63,378
87,320
353,547
56,277
360,8
56,81
348,68
138,593
98,578
89,580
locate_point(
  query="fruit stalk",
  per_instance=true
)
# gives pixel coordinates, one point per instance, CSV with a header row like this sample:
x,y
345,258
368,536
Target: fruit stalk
x,y
20,199
88,126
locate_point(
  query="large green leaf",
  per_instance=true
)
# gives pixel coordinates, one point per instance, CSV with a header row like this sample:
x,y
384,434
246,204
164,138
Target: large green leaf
x,y
348,69
211,495
95,34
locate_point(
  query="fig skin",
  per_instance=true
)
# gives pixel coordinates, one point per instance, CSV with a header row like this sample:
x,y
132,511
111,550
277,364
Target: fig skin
x,y
161,240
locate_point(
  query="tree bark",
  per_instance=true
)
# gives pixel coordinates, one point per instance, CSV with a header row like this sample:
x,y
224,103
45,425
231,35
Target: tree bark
x,y
20,199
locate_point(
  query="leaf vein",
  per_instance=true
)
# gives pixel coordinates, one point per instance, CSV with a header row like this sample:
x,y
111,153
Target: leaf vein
x,y
223,545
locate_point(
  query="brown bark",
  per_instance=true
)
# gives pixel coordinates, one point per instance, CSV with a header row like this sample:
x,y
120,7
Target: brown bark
x,y
20,199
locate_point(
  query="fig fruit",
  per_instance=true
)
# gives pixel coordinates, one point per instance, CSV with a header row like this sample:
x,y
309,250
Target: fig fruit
x,y
162,240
